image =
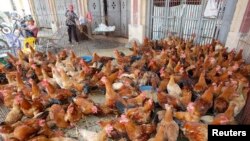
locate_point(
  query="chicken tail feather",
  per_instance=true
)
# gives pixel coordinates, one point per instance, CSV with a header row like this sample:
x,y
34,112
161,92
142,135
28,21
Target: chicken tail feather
x,y
120,107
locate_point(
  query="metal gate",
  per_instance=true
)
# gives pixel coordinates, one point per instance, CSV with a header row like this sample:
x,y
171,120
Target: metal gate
x,y
94,7
42,13
125,17
114,15
118,14
183,18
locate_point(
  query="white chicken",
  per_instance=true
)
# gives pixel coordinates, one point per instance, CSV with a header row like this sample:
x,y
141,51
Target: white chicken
x,y
238,99
173,88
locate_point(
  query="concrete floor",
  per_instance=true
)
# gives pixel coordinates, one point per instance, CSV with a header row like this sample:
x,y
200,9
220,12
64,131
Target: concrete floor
x,y
102,45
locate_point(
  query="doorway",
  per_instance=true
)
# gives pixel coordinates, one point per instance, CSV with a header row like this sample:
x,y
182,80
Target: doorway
x,y
116,13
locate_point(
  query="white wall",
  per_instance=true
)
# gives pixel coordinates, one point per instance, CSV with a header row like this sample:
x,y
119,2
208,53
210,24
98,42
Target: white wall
x,y
137,30
22,4
5,6
234,35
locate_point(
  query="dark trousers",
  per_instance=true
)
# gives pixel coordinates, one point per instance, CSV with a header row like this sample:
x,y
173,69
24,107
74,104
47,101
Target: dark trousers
x,y
72,28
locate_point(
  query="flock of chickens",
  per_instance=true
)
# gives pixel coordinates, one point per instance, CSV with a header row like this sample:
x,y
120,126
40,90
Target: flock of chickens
x,y
193,86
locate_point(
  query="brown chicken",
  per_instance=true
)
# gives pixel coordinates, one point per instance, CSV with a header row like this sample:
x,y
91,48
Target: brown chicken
x,y
195,131
221,102
86,68
15,114
186,97
113,76
167,128
8,97
60,94
141,114
107,69
21,86
163,84
101,59
201,85
26,129
154,66
164,98
137,132
38,71
67,83
121,59
111,96
39,138
87,107
45,130
12,58
105,110
205,101
170,65
25,105
51,58
239,56
218,89
35,91
190,115
223,77
73,114
225,118
138,100
57,113
6,131
111,129
126,91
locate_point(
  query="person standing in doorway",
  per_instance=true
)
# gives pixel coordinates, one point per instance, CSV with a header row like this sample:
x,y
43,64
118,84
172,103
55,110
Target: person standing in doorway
x,y
71,18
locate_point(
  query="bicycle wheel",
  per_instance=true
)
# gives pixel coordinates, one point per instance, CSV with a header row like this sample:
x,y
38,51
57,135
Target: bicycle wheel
x,y
5,29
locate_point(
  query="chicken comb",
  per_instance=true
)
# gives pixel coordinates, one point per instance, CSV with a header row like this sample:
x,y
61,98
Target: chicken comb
x,y
183,55
162,70
45,81
109,128
94,109
235,66
18,98
190,107
31,81
18,62
104,79
41,122
124,119
181,70
212,60
218,67
234,82
144,94
224,119
150,101
229,72
33,66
